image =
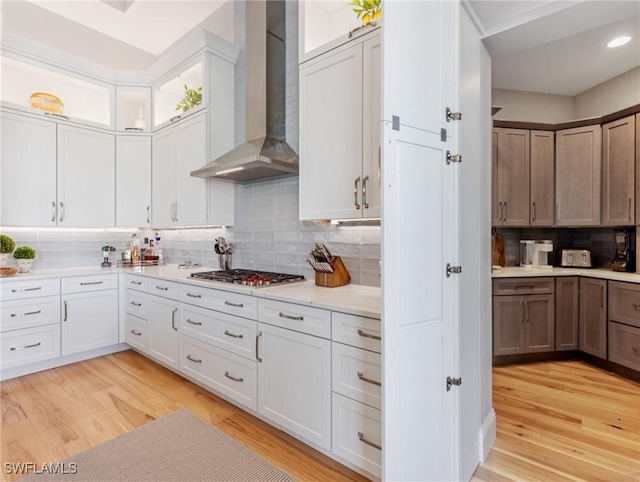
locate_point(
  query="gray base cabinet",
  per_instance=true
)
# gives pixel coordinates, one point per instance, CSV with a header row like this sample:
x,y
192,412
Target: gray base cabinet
x,y
567,313
593,317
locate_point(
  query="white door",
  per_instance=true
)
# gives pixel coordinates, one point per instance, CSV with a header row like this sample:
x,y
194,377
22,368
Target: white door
x,y
28,172
163,330
331,135
372,114
164,190
294,382
191,141
133,181
419,238
86,178
89,320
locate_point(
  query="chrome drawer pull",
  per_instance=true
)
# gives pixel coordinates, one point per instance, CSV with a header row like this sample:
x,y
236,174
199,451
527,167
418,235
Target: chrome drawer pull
x,y
235,305
290,317
226,374
368,335
163,288
92,283
137,333
27,289
368,380
194,296
258,335
136,304
194,360
136,282
226,332
197,323
173,319
13,315
523,287
14,348
362,439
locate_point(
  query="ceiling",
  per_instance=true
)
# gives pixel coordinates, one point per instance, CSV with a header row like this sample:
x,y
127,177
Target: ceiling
x,y
549,46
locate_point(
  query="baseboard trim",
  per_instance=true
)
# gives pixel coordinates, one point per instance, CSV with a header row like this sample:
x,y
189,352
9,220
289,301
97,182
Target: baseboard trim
x,y
487,434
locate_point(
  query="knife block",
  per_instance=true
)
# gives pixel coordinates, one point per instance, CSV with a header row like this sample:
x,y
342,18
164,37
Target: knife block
x,y
339,277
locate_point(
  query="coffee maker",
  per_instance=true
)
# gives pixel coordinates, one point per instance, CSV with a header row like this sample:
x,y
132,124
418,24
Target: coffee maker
x,y
535,253
624,258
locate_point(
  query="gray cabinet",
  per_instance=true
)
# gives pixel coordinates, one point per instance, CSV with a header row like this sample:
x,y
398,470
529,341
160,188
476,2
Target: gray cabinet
x,y
593,317
567,310
511,171
618,172
542,177
578,176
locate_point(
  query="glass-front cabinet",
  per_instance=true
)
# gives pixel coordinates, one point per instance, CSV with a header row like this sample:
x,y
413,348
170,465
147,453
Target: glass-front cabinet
x,y
133,108
180,94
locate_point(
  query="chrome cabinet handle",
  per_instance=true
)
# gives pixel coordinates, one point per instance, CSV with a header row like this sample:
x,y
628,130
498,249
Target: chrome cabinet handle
x,y
369,380
163,288
191,322
175,216
30,313
365,204
15,348
136,304
355,193
226,374
194,360
61,211
290,317
526,311
60,116
499,212
363,439
522,307
557,211
137,333
232,335
136,282
257,346
235,305
368,335
148,214
370,24
173,319
53,211
602,297
505,211
175,118
191,295
91,283
533,211
37,288
66,311
629,209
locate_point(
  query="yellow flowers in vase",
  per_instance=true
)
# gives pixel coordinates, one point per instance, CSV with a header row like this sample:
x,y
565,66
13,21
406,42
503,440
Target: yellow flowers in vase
x,y
367,10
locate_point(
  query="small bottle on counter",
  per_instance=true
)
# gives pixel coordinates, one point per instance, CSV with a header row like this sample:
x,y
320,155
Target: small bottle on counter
x,y
126,253
159,249
135,249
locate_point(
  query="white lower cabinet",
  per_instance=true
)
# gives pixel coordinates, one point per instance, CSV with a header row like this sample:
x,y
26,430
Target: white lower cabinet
x,y
357,434
163,330
229,374
136,332
29,313
29,345
356,374
294,382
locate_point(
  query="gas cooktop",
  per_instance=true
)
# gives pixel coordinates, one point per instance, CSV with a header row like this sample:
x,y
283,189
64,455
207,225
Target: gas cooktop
x,y
248,277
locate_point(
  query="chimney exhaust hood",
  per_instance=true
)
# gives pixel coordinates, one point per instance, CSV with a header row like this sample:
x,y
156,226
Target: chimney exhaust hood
x,y
265,154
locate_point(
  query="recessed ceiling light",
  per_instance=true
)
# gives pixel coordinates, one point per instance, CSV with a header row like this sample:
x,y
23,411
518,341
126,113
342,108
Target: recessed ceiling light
x,y
617,42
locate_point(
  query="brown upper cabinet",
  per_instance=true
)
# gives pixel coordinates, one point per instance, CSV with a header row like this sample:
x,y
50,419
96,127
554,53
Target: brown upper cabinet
x,y
618,172
638,173
578,176
542,177
511,168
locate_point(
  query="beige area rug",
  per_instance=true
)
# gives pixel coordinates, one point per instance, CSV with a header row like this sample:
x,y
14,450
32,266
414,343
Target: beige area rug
x,y
178,447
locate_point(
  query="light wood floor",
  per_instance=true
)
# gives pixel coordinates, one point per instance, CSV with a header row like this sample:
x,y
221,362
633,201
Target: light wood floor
x,y
556,421
563,421
55,414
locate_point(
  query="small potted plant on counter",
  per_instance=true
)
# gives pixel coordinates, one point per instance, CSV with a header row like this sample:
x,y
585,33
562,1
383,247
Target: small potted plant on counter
x,y
24,256
6,248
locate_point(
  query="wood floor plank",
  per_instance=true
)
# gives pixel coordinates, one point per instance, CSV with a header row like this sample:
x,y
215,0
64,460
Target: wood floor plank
x,y
21,443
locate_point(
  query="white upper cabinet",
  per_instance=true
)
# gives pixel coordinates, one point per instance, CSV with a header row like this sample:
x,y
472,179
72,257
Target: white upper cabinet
x,y
133,181
133,109
327,24
180,93
59,93
340,133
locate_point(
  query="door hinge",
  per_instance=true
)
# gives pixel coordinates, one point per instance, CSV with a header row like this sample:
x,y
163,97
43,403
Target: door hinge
x,y
453,157
453,381
450,115
453,270
395,122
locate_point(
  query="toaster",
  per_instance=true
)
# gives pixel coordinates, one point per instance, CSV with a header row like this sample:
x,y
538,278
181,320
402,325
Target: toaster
x,y
575,258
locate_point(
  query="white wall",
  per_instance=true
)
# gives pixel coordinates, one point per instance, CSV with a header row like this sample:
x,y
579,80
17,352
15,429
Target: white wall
x,y
532,106
616,94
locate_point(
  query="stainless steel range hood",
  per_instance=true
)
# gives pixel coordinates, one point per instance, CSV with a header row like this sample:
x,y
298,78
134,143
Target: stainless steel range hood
x,y
265,154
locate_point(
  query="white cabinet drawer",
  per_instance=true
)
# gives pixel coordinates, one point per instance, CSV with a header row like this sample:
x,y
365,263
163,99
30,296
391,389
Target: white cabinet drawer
x,y
136,303
232,375
357,331
81,284
219,300
231,333
30,345
305,319
136,332
356,374
28,313
139,283
357,434
166,289
17,290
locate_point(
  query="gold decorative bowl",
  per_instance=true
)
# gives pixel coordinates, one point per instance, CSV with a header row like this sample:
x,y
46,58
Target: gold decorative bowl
x,y
46,102
8,271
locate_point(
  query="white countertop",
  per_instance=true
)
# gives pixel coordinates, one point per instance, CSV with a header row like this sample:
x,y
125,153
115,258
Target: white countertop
x,y
519,272
353,299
